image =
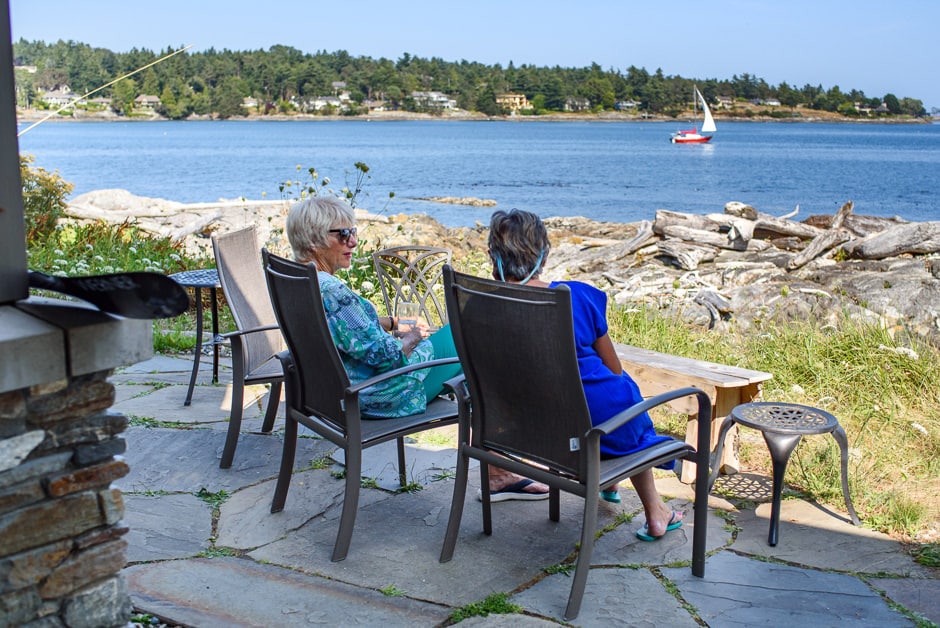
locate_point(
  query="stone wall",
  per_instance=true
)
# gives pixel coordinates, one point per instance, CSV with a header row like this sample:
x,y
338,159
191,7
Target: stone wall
x,y
61,545
61,531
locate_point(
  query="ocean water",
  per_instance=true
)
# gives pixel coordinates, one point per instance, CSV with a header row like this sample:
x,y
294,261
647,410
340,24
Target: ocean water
x,y
612,171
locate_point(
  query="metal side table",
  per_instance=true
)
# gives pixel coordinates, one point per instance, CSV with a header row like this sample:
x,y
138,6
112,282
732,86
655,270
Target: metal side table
x,y
197,280
783,425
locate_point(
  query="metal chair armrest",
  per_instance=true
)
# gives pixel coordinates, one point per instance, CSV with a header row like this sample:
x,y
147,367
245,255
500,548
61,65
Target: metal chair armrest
x,y
243,332
634,411
372,381
458,386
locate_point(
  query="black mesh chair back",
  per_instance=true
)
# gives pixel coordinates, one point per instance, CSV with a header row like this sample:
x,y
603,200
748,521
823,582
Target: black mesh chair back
x,y
321,397
524,410
500,334
258,340
412,274
295,293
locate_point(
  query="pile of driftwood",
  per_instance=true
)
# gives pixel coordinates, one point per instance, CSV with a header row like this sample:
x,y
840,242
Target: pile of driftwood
x,y
691,239
736,267
743,266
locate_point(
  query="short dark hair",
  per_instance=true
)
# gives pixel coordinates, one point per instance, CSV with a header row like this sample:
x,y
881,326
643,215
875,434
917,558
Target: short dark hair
x,y
518,244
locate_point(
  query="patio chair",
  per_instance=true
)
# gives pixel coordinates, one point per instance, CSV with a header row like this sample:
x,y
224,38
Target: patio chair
x,y
321,397
413,274
524,410
257,341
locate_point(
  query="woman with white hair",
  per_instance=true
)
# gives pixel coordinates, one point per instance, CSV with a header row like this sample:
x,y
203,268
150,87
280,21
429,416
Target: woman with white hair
x,y
322,230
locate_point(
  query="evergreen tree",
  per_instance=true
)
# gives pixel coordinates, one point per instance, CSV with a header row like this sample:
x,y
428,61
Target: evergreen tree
x,y
215,81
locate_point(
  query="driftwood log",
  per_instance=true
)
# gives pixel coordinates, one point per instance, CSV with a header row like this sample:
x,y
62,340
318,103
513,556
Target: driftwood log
x,y
687,255
919,238
860,226
644,236
825,241
687,237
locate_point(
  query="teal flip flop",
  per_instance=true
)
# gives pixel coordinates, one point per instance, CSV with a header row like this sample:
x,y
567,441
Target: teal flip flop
x,y
644,535
611,496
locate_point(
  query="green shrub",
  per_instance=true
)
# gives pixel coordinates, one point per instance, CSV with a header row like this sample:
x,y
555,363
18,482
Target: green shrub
x,y
100,247
43,200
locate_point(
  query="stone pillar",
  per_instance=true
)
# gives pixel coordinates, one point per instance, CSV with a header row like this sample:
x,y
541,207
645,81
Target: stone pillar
x,y
61,533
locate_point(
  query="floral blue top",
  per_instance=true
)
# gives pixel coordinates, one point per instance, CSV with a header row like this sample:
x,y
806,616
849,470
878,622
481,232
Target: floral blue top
x,y
367,350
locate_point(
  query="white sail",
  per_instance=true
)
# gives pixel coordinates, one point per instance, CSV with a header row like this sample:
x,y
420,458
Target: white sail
x,y
708,125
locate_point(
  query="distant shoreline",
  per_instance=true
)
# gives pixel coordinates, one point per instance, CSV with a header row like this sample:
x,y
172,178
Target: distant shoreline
x,y
33,116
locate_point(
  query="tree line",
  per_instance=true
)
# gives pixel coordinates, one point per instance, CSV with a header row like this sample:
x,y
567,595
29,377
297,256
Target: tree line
x,y
215,82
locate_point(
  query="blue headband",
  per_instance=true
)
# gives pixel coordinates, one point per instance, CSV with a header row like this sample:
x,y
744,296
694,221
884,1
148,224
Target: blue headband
x,y
538,264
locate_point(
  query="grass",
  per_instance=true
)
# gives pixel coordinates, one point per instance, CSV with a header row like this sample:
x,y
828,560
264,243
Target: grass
x,y
391,591
882,389
215,500
928,555
497,603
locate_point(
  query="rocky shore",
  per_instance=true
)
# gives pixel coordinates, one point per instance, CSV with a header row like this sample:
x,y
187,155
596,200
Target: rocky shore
x,y
729,286
743,113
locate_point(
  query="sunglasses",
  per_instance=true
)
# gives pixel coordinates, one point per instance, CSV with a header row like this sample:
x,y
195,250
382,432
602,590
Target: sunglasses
x,y
343,235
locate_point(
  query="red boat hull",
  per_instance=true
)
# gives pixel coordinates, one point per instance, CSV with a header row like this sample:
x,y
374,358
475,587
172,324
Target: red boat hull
x,y
701,139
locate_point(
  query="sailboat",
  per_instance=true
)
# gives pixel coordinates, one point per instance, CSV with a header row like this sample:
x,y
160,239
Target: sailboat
x,y
692,136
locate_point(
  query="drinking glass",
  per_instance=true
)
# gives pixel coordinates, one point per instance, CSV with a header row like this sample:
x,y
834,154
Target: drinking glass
x,y
407,314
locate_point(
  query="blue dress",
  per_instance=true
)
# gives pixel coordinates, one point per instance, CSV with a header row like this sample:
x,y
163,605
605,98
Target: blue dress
x,y
607,393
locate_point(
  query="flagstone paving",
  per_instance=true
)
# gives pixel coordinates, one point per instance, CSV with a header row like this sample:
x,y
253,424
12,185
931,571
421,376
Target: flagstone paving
x,y
205,550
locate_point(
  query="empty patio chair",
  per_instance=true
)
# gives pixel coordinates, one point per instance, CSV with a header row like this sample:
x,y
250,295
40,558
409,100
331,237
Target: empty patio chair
x,y
257,340
412,274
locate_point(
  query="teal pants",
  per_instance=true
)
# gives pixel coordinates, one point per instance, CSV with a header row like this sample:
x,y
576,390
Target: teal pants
x,y
443,342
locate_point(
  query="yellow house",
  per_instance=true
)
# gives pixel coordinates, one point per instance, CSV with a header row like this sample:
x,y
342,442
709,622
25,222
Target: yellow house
x,y
513,102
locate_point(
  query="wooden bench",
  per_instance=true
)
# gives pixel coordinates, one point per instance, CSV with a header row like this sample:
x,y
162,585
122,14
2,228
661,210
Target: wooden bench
x,y
726,386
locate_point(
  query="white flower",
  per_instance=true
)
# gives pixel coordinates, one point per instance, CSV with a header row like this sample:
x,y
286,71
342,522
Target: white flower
x,y
367,286
826,402
900,351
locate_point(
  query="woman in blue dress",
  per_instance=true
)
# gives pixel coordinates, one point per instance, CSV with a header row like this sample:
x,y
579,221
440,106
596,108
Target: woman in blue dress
x,y
518,248
322,230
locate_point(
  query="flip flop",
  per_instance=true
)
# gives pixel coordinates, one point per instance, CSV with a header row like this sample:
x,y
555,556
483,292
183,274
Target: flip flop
x,y
644,535
611,496
514,491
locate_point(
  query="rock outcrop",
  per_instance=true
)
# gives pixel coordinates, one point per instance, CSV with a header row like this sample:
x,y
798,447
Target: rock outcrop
x,y
725,271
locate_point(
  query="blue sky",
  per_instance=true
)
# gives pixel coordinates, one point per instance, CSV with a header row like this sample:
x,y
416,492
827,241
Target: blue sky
x,y
876,46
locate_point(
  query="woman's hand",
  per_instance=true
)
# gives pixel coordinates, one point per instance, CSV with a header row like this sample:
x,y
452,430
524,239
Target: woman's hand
x,y
421,325
409,339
